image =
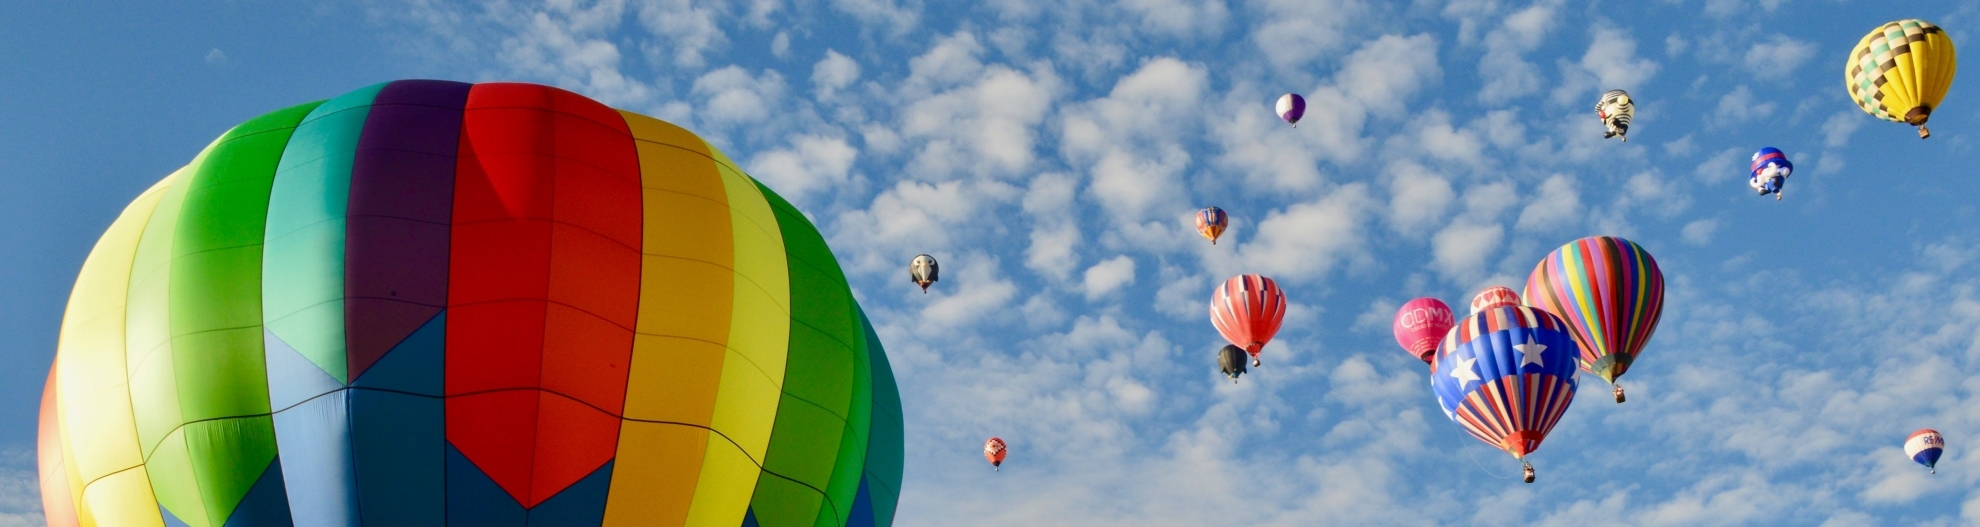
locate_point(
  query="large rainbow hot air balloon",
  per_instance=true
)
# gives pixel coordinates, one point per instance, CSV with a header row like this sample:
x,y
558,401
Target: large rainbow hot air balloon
x,y
1611,294
433,303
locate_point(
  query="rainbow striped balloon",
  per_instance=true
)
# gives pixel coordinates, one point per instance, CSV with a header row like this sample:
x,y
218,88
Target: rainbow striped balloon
x,y
1611,294
434,303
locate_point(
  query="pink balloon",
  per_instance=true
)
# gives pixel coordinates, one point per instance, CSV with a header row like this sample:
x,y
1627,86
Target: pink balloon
x,y
1420,324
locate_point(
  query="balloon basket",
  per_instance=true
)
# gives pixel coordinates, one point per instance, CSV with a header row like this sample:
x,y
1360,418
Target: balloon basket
x,y
1529,471
1619,395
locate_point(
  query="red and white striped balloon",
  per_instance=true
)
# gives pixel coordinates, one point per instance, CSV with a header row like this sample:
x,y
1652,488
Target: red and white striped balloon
x,y
1247,310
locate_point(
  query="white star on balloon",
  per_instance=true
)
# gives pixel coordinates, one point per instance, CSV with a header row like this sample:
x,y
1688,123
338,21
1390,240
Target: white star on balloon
x,y
1530,352
1466,371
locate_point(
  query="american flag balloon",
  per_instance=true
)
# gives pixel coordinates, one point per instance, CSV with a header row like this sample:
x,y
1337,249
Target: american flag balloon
x,y
1506,375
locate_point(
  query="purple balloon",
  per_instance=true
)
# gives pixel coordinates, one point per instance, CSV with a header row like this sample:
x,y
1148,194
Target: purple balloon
x,y
1291,108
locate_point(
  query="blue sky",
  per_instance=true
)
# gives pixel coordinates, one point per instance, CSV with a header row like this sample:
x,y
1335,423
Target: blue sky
x,y
1050,153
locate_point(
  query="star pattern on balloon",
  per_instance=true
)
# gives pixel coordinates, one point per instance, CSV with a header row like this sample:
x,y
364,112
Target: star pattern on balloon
x,y
1466,371
1531,352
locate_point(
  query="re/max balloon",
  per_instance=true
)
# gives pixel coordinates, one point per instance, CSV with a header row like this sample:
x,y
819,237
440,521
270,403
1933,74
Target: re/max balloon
x,y
1506,375
1611,294
1420,324
1247,310
1900,72
1924,447
437,303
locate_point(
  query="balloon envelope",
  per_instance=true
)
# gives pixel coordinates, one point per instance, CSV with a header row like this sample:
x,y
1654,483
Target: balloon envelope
x,y
923,270
1492,297
1247,310
1611,293
1291,107
1924,447
1506,376
1900,72
993,451
426,302
1230,361
1420,324
1210,222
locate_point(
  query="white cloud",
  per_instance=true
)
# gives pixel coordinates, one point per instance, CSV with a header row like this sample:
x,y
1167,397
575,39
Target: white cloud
x,y
216,57
833,73
1387,71
1108,276
20,489
1739,106
1506,72
1555,206
1295,32
811,163
1055,233
979,292
1417,196
731,96
901,16
1304,241
689,30
1129,140
1778,57
1609,63
1700,232
971,119
1837,130
1180,17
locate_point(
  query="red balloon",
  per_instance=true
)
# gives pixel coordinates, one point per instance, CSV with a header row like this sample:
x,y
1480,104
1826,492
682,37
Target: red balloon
x,y
1247,310
1492,297
993,450
1420,324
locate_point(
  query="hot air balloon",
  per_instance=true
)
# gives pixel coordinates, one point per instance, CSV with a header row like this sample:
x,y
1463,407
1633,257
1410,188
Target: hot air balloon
x,y
923,271
1611,294
1615,110
1211,222
1420,324
1291,108
1924,447
1494,296
1506,375
993,451
437,303
1230,361
1770,171
1901,71
1247,310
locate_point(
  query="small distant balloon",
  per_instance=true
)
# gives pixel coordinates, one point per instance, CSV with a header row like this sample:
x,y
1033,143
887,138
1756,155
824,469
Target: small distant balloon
x,y
1770,171
923,271
1924,447
1615,109
1492,297
1230,360
1420,324
1210,222
1291,108
993,451
1247,311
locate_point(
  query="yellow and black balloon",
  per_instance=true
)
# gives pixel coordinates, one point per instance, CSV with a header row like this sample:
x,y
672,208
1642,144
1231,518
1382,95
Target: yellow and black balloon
x,y
433,303
1901,71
